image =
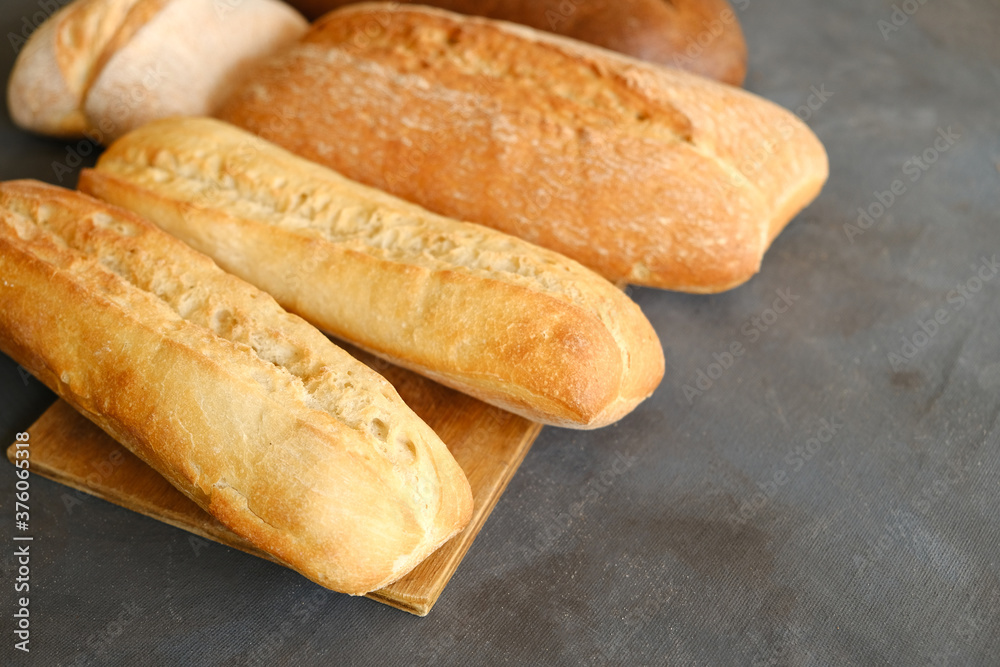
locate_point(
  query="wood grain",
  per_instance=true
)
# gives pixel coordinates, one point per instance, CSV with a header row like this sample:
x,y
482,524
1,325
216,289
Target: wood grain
x,y
487,442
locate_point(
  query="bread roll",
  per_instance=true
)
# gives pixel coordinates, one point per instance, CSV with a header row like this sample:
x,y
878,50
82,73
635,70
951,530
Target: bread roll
x,y
103,67
701,36
488,314
48,84
255,415
646,174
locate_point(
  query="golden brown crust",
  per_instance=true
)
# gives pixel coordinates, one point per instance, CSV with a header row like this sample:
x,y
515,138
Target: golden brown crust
x,y
248,410
645,174
701,36
510,323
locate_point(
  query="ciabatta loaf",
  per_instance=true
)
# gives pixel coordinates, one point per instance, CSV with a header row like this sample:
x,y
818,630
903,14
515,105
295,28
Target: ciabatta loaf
x,y
101,67
643,173
251,412
488,314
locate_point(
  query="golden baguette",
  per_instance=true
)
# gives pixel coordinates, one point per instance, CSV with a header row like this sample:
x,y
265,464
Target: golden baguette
x,y
251,412
645,174
513,324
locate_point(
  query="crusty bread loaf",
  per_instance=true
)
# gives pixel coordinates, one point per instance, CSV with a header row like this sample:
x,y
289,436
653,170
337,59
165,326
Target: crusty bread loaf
x,y
644,173
251,412
488,314
102,67
48,84
701,36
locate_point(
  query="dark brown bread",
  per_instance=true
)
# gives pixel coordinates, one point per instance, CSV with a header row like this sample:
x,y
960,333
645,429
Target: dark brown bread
x,y
701,36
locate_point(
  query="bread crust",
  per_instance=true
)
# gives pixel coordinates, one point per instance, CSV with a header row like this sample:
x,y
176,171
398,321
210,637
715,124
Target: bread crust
x,y
493,316
701,36
53,71
252,413
181,57
648,175
102,67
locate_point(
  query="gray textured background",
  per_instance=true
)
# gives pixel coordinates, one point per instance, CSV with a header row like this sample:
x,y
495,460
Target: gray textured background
x,y
726,537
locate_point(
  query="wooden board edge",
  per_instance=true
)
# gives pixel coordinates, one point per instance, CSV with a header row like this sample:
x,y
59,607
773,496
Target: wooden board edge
x,y
416,605
426,603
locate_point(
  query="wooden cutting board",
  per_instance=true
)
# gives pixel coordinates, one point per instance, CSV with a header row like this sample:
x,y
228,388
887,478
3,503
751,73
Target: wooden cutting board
x,y
487,442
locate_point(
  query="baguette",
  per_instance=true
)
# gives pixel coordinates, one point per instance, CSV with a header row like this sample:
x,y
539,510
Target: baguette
x,y
252,413
101,67
646,174
512,324
701,36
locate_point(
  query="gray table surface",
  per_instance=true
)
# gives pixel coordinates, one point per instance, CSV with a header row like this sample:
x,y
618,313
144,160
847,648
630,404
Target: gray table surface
x,y
819,502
